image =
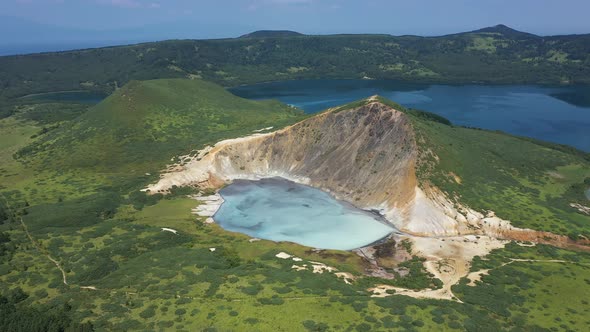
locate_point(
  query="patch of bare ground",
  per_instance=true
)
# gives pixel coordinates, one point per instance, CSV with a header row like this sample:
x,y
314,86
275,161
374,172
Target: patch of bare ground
x,y
448,259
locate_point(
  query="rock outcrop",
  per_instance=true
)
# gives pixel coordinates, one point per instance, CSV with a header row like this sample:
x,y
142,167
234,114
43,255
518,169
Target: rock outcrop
x,y
364,155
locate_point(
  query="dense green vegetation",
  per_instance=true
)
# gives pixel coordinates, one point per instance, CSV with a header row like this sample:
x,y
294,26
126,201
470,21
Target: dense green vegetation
x,y
49,114
494,55
16,317
76,187
530,283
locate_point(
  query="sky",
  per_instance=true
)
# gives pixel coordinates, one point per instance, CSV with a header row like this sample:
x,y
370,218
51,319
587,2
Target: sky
x,y
66,22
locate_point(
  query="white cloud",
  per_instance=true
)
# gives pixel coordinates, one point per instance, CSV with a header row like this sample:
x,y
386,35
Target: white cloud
x,y
129,3
263,3
121,3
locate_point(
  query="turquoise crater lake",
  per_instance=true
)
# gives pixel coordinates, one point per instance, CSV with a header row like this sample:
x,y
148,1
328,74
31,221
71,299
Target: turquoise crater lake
x,y
280,210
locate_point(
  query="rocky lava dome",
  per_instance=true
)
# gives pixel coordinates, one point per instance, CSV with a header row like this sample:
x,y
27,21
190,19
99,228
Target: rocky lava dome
x,y
365,155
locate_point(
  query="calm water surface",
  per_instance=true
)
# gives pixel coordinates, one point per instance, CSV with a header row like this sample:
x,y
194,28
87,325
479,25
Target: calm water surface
x,y
555,114
83,97
280,210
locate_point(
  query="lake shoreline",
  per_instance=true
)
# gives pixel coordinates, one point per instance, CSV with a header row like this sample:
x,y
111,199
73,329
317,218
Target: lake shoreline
x,y
288,233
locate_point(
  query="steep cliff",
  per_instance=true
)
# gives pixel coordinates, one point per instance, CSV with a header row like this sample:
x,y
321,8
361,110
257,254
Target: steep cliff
x,y
365,155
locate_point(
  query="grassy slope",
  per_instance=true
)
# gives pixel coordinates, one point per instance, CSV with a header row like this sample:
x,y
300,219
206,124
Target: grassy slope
x,y
149,279
146,120
529,184
134,131
139,129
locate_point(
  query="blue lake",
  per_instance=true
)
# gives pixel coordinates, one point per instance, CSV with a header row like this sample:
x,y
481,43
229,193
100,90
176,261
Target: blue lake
x,y
280,210
555,114
82,97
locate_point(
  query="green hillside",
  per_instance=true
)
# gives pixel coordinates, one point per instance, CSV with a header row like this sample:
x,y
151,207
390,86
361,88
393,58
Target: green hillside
x,y
144,123
528,182
271,34
493,55
72,176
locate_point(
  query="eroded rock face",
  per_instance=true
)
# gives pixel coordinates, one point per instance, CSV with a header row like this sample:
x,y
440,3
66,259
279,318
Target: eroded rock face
x,y
365,156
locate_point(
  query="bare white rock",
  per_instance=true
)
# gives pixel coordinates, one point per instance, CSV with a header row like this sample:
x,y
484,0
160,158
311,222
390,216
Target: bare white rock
x,y
283,255
165,229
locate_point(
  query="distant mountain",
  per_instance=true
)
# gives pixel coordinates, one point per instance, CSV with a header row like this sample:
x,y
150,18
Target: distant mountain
x,y
272,34
506,31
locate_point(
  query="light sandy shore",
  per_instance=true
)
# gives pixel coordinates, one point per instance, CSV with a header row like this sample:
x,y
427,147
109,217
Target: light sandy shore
x,y
208,205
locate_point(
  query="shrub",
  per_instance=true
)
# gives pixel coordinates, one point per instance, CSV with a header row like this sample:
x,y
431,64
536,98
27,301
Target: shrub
x,y
274,300
454,324
359,306
438,319
17,295
251,321
311,325
252,289
363,327
149,312
432,117
41,293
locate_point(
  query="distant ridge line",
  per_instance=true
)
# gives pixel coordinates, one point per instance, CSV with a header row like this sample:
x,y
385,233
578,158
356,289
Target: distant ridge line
x,y
271,34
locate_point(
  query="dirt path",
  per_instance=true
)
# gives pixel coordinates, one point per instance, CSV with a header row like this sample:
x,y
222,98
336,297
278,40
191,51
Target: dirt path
x,y
35,243
448,270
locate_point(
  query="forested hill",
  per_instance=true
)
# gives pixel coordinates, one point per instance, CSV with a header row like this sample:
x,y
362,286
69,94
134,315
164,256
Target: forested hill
x,y
491,55
271,34
506,31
